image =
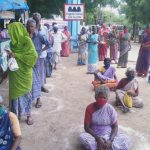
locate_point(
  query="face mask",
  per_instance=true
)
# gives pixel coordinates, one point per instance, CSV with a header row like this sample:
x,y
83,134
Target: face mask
x,y
107,65
2,110
101,102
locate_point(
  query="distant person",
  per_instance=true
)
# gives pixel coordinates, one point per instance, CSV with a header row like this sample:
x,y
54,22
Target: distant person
x,y
49,57
43,31
143,61
124,47
89,31
101,125
103,45
10,132
59,38
140,34
129,86
82,52
20,81
113,45
3,34
105,75
66,45
92,41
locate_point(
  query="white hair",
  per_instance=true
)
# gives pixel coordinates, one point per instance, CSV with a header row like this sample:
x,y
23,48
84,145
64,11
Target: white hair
x,y
129,69
104,90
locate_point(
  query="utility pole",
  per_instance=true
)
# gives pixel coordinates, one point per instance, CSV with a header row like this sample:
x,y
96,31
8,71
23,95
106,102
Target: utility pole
x,y
74,26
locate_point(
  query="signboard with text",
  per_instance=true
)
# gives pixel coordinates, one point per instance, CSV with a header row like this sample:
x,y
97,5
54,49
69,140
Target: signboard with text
x,y
74,11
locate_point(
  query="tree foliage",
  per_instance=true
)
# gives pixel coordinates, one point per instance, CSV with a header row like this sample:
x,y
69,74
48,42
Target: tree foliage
x,y
138,10
91,8
46,7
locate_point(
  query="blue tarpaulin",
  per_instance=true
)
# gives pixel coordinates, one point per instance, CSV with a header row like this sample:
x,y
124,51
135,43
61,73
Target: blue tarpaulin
x,y
13,5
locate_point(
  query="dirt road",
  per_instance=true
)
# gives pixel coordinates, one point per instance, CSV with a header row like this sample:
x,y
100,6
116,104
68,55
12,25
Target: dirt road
x,y
59,122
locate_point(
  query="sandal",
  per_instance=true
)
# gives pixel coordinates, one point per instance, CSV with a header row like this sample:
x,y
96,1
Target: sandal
x,y
38,104
44,90
29,121
125,110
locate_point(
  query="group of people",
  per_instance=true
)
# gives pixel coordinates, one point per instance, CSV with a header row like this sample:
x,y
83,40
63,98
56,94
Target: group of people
x,y
100,122
93,45
37,50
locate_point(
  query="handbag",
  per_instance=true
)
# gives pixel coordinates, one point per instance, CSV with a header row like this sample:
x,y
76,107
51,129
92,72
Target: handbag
x,y
12,64
127,100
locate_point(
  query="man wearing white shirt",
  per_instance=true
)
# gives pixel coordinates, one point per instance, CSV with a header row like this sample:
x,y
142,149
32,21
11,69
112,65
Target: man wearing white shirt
x,y
59,38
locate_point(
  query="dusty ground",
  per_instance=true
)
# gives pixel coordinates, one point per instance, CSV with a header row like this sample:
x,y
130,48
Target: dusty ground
x,y
60,120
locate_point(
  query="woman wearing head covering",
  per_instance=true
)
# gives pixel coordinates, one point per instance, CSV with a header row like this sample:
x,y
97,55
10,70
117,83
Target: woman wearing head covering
x,y
129,86
92,41
10,133
82,53
66,45
143,61
100,124
105,75
124,47
20,81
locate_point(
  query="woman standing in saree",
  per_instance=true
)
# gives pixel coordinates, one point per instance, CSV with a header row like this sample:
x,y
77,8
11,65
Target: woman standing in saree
x,y
20,81
93,51
143,61
66,45
124,47
113,45
82,53
103,45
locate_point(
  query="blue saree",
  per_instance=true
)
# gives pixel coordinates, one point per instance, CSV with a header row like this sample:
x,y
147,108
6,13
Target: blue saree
x,y
92,53
6,134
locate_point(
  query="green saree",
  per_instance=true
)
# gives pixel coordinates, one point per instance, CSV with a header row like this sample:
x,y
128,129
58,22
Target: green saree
x,y
20,81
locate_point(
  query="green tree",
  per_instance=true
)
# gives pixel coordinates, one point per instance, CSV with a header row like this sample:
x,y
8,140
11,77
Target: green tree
x,y
138,10
46,7
91,8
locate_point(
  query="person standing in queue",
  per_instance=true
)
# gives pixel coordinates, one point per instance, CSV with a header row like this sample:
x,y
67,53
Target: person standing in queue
x,y
43,31
38,41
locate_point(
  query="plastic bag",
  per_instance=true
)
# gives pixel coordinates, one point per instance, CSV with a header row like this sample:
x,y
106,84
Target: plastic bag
x,y
127,100
12,64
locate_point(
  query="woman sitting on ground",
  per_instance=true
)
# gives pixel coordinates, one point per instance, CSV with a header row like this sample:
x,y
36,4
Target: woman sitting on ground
x,y
106,75
101,125
128,87
10,133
